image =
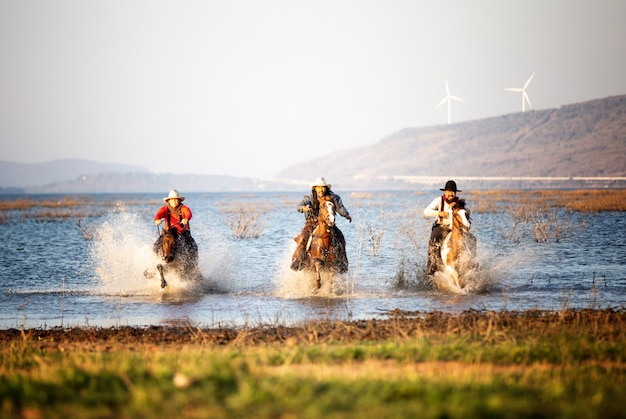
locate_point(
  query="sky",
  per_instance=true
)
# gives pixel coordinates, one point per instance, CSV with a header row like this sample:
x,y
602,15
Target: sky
x,y
248,88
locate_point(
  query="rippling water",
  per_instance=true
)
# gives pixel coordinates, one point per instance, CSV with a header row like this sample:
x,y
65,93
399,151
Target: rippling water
x,y
51,275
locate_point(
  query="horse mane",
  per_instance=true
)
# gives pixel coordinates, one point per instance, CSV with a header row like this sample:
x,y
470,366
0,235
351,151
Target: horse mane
x,y
171,231
314,200
460,204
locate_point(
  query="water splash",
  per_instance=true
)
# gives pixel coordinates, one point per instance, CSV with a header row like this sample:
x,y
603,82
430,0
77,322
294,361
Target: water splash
x,y
300,284
486,276
411,276
121,251
125,263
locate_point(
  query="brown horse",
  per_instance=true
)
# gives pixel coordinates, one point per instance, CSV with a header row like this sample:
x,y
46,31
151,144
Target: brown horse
x,y
179,254
326,250
458,249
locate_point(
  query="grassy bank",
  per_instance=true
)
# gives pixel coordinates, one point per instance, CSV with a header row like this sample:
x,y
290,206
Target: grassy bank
x,y
427,365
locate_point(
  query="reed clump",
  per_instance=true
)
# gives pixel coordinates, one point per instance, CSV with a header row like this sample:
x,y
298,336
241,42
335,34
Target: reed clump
x,y
245,220
371,225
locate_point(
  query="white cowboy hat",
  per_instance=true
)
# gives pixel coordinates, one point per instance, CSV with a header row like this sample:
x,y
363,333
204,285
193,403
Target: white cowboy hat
x,y
320,181
174,195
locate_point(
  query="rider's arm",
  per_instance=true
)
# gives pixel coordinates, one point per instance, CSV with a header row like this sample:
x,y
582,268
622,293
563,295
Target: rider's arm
x,y
185,213
432,210
340,208
160,214
305,203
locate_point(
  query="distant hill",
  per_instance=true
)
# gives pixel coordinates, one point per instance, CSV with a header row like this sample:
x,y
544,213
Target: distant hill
x,y
585,139
581,140
22,175
139,182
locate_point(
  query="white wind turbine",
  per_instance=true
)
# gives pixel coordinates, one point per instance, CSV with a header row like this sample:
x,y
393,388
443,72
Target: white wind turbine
x,y
525,98
449,98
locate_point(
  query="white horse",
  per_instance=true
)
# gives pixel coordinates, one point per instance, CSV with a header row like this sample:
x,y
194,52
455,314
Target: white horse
x,y
458,249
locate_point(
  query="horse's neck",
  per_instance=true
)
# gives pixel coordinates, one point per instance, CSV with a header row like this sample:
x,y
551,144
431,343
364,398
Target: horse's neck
x,y
456,226
456,235
322,227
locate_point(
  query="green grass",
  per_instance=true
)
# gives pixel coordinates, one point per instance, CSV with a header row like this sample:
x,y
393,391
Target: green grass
x,y
439,366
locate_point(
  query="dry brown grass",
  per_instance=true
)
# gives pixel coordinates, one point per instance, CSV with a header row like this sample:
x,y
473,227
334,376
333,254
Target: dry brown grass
x,y
23,204
58,208
546,214
583,200
488,326
532,364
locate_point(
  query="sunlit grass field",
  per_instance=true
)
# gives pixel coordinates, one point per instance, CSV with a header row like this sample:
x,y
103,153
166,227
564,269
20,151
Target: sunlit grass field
x,y
565,364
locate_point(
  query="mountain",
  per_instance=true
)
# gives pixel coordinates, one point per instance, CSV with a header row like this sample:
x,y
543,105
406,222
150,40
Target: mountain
x,y
567,145
85,176
23,175
140,182
581,140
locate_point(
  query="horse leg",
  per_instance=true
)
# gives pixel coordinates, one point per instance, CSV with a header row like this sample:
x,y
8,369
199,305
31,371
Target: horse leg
x,y
163,282
448,256
454,274
158,245
298,260
338,244
318,276
188,265
470,250
449,265
462,281
435,249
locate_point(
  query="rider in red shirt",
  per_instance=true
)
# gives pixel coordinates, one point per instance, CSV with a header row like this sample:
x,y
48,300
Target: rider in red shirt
x,y
176,216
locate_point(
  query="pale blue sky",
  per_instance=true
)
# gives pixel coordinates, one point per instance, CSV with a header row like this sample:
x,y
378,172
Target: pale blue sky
x,y
248,88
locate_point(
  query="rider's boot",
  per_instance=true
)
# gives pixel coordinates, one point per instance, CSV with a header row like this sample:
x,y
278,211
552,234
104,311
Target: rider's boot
x,y
433,260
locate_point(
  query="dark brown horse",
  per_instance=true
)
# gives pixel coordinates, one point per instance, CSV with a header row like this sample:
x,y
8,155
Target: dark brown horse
x,y
326,247
458,249
179,254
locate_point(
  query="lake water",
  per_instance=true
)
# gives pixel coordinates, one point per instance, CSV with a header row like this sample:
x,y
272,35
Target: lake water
x,y
52,274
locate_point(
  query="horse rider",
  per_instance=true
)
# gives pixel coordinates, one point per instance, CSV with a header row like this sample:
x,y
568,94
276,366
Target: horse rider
x,y
176,216
310,206
440,209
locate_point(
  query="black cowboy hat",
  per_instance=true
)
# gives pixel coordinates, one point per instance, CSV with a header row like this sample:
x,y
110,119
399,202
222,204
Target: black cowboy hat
x,y
450,186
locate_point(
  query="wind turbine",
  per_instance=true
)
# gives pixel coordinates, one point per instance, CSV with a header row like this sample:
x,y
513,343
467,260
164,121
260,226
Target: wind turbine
x,y
449,98
525,98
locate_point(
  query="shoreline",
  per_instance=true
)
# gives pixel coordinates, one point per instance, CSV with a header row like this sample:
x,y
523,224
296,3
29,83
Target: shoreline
x,y
398,326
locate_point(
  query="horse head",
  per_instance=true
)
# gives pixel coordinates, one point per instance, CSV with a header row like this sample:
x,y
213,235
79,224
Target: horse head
x,y
460,216
168,245
327,211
